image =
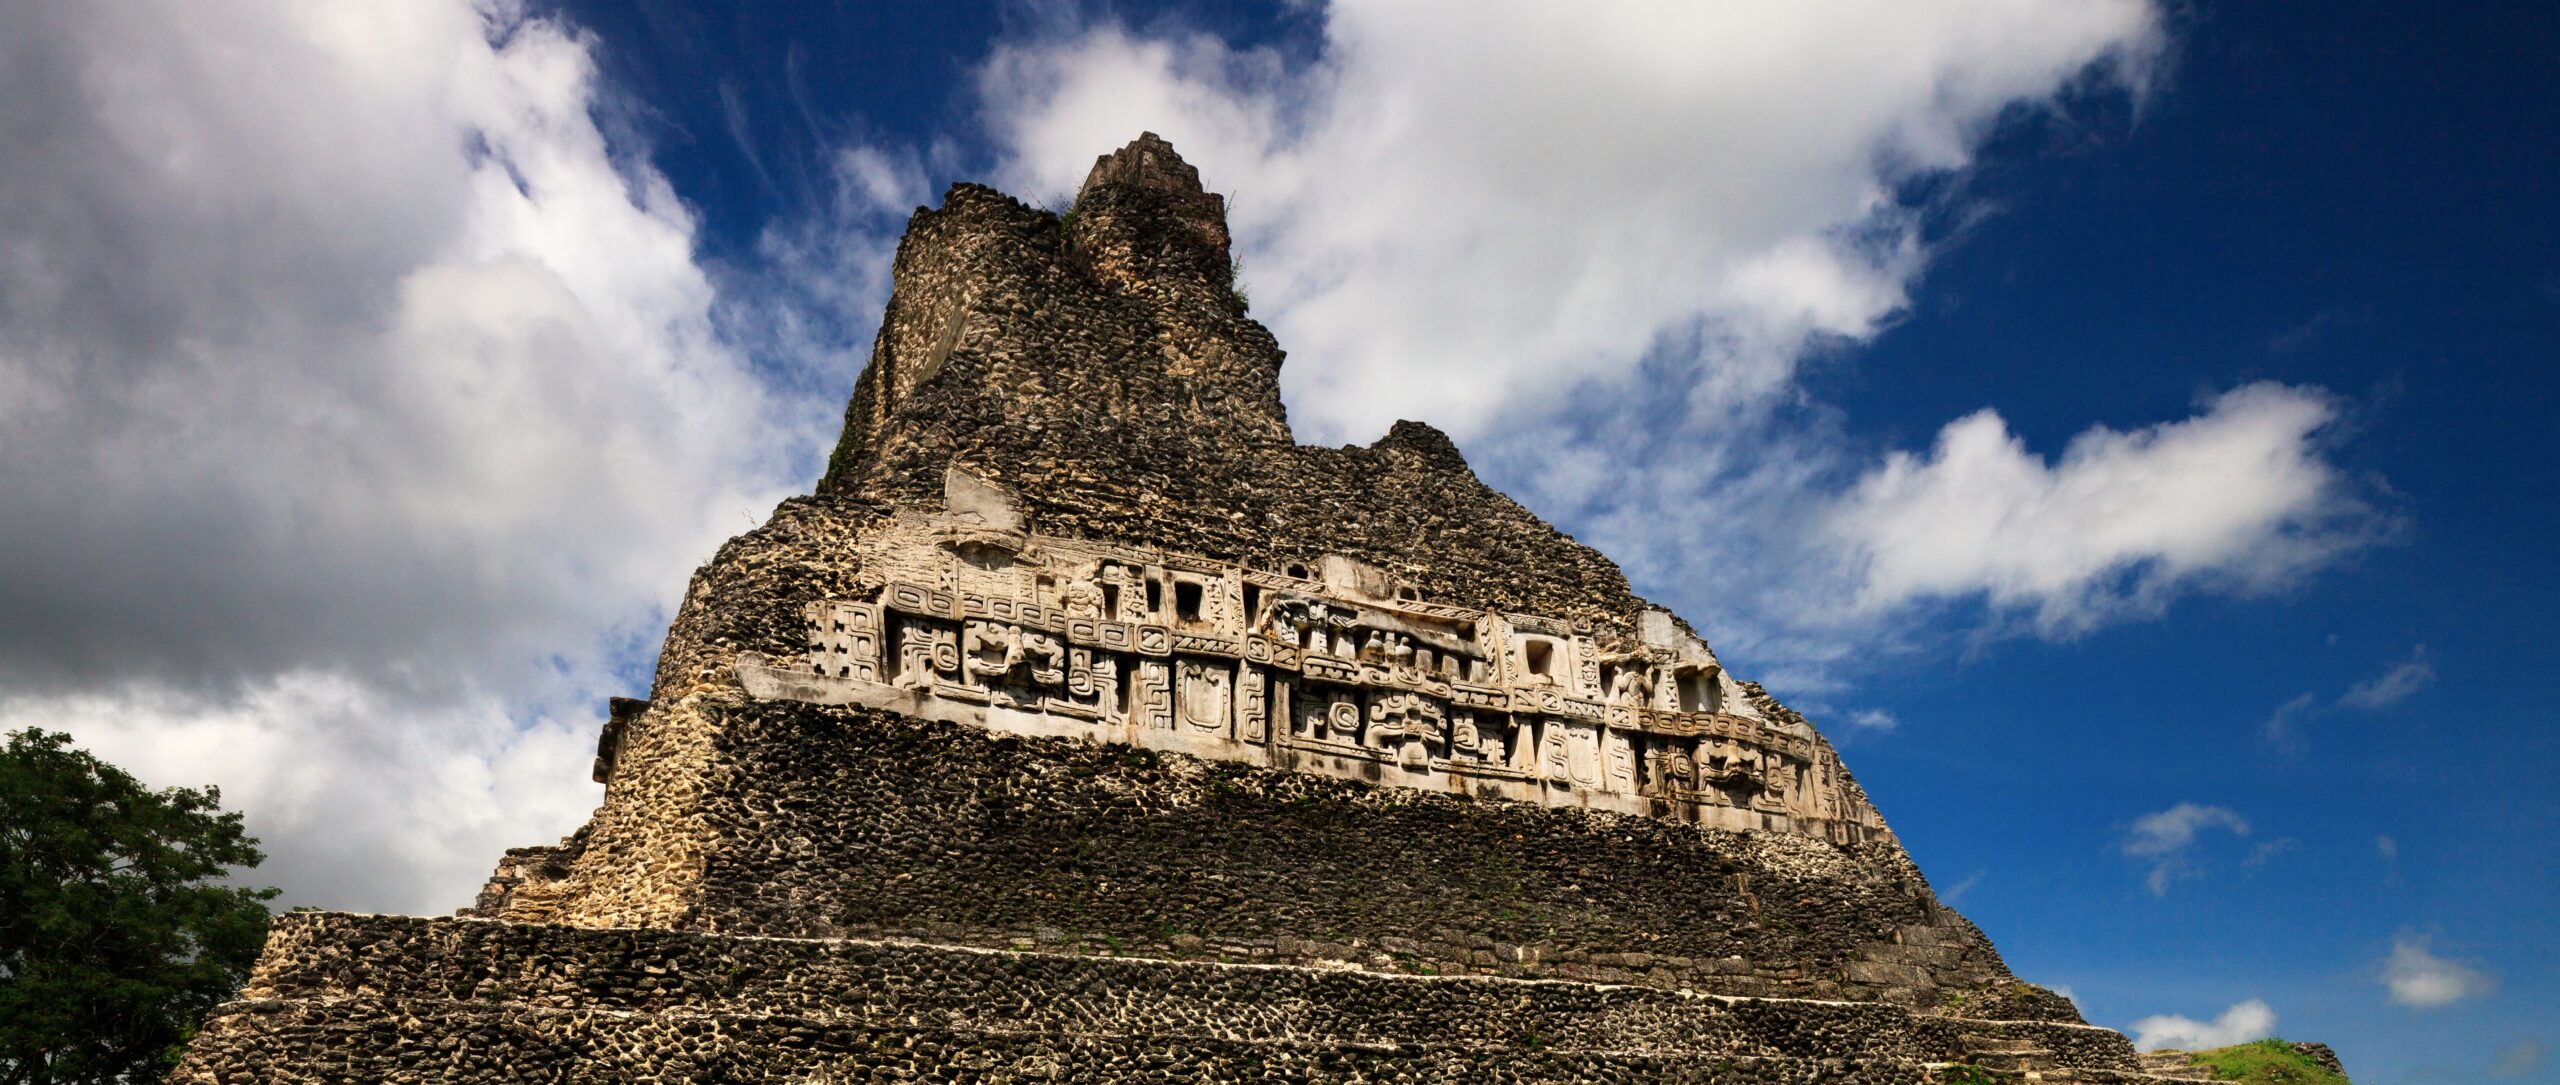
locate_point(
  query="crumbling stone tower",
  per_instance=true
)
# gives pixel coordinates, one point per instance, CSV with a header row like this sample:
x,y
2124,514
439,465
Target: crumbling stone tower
x,y
1083,726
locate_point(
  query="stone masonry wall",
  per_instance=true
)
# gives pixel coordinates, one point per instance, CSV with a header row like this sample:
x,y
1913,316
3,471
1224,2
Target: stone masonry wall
x,y
829,822
1099,367
460,1000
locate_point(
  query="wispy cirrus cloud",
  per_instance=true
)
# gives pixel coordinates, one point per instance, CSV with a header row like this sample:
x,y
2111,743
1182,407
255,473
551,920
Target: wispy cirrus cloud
x,y
2168,839
2283,726
2378,693
2520,1058
2399,683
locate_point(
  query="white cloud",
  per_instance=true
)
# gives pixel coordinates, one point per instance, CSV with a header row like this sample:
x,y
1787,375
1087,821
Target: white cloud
x,y
2393,686
1458,207
2176,828
365,411
2167,839
1873,719
2401,682
2280,723
2419,979
1598,247
2243,1022
2269,850
365,797
2389,847
2238,496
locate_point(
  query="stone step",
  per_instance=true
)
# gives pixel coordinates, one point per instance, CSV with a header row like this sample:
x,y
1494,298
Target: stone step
x,y
370,1041
2173,1066
2086,1076
410,980
2020,1059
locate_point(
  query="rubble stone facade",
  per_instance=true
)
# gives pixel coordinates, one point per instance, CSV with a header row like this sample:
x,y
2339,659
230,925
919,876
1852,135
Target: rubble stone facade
x,y
1083,726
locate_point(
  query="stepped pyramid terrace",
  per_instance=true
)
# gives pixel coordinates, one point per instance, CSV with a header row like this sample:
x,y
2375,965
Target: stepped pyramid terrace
x,y
1082,726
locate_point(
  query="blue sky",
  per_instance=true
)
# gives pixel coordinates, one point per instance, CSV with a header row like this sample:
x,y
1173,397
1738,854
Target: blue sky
x,y
2121,426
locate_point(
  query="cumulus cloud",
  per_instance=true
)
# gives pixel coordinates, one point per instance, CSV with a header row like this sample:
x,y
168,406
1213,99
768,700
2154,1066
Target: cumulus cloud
x,y
2419,979
1600,246
366,796
2168,840
2243,1022
365,409
2237,496
2392,686
1459,206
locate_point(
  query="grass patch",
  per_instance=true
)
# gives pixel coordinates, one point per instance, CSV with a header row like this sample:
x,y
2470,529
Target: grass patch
x,y
2266,1062
1968,1074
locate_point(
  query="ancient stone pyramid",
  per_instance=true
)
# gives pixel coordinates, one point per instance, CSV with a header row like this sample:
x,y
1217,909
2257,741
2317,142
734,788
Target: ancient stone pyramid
x,y
1083,726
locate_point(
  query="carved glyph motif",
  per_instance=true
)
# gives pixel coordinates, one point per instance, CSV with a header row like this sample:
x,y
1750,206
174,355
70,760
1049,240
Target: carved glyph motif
x,y
1343,720
844,640
1204,702
1082,597
1106,687
1405,725
1253,714
1155,695
1617,761
1582,754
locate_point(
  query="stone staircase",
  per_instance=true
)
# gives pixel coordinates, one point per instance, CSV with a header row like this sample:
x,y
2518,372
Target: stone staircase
x,y
350,998
1997,1052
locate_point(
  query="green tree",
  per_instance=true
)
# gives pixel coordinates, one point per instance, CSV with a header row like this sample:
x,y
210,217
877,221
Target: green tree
x,y
115,935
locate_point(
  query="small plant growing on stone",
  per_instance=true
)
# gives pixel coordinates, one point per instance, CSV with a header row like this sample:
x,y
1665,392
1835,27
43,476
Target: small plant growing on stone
x,y
1968,1074
1063,205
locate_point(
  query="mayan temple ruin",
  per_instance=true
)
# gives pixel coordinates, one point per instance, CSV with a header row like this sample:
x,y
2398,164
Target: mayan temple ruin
x,y
1082,726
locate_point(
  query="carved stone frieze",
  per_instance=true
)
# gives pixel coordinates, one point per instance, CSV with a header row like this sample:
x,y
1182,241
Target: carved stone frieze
x,y
1070,638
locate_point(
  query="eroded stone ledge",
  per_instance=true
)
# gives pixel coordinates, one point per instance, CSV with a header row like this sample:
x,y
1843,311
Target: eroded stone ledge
x,y
331,971
840,821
